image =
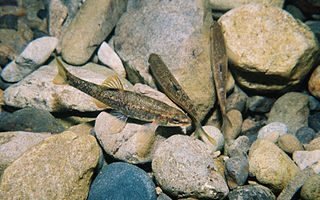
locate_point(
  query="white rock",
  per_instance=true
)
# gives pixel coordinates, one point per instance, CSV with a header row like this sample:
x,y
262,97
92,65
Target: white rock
x,y
308,159
216,134
108,57
38,90
36,53
269,129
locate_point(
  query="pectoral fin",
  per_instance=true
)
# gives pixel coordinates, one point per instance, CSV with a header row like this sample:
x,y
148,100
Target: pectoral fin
x,y
99,104
113,82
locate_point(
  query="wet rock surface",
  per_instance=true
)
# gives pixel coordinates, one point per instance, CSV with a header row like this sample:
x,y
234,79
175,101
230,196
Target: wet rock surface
x,y
270,148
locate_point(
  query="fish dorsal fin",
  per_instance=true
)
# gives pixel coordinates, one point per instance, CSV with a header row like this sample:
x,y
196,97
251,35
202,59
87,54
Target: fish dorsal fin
x,y
113,82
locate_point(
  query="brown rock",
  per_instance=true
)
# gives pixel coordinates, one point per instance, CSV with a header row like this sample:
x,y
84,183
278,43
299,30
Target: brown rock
x,y
313,144
289,143
314,83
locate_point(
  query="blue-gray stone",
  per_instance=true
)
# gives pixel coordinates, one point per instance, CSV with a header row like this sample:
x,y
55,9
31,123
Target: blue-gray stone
x,y
251,192
237,169
314,121
122,181
260,104
306,134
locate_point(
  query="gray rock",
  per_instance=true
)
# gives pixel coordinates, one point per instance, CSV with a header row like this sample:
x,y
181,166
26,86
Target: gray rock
x,y
237,170
184,167
306,134
270,165
291,109
260,104
295,184
275,66
314,121
95,20
248,192
215,134
268,129
38,90
36,53
240,146
177,32
59,167
31,120
237,100
289,143
306,159
122,181
230,4
314,25
14,144
311,189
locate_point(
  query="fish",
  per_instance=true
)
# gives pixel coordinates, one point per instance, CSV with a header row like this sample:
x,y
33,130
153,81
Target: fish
x,y
219,67
128,103
174,91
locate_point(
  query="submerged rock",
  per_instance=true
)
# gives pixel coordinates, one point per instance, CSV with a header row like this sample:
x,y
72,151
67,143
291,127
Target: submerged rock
x,y
270,51
248,192
59,167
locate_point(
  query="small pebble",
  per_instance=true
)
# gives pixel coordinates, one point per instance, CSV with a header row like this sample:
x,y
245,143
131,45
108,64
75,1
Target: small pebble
x,y
237,100
271,128
235,118
215,134
121,180
237,170
314,144
273,137
260,104
306,159
306,134
311,189
250,192
314,121
289,143
240,146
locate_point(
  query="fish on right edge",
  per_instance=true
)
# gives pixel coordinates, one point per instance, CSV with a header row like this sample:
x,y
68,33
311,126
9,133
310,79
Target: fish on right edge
x,y
174,91
219,67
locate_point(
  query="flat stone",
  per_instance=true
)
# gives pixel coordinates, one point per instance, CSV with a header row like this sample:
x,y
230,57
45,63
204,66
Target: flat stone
x,y
110,58
230,4
122,181
59,167
280,63
31,120
291,109
306,159
313,145
271,128
38,90
35,54
270,165
14,144
311,189
95,20
178,32
247,192
289,143
184,167
58,12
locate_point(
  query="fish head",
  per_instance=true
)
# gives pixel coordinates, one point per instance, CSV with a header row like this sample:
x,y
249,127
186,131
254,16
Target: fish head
x,y
178,118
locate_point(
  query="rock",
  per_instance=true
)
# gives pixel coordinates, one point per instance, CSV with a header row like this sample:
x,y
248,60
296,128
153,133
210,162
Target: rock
x,y
291,109
260,104
184,167
306,159
295,184
229,4
59,167
314,144
163,196
311,189
237,170
296,12
31,120
240,146
83,128
314,104
12,43
314,121
233,131
314,82
306,134
25,30
237,100
178,32
35,54
38,90
215,134
14,144
270,128
95,20
314,25
108,57
120,181
58,13
270,165
277,65
9,22
247,192
289,143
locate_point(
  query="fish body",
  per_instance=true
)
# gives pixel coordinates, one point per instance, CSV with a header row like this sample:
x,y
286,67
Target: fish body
x,y
174,91
219,67
128,103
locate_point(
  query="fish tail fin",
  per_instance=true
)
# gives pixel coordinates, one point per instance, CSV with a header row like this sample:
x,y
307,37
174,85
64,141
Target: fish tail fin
x,y
61,77
226,124
200,132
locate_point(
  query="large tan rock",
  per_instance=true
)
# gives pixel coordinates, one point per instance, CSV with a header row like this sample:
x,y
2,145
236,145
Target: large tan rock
x,y
270,50
59,167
